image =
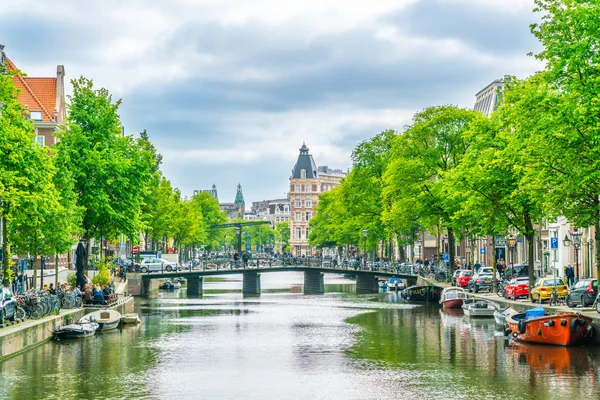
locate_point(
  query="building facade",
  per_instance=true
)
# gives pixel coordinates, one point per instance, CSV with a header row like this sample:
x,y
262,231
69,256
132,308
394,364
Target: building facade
x,y
307,182
212,192
276,210
487,99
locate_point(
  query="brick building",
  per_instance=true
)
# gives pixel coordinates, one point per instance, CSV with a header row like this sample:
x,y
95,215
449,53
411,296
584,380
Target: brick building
x,y
306,184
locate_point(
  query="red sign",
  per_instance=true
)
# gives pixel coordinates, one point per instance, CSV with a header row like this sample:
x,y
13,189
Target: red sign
x,y
135,249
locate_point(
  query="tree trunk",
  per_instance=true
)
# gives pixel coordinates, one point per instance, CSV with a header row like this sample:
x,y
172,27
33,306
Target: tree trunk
x,y
34,282
451,249
529,235
494,272
56,271
5,263
597,243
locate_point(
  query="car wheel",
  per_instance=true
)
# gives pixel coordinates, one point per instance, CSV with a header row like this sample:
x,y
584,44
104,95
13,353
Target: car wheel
x,y
569,302
2,317
533,299
169,268
144,270
598,307
476,290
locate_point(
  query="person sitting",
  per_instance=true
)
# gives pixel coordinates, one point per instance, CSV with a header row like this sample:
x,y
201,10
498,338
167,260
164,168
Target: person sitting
x,y
98,295
77,292
88,294
105,291
51,289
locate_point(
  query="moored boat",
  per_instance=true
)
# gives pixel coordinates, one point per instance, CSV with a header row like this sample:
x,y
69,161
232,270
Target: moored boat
x,y
176,284
500,316
453,297
131,318
562,329
479,308
168,285
395,284
106,319
75,331
422,293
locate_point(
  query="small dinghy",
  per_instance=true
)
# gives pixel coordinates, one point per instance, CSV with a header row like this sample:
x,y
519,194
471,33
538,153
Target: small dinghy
x,y
168,285
106,319
176,284
76,331
453,297
395,284
131,318
500,316
479,308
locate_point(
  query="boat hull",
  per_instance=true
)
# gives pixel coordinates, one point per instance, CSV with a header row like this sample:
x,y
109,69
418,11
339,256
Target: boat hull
x,y
561,329
75,331
131,319
452,303
422,293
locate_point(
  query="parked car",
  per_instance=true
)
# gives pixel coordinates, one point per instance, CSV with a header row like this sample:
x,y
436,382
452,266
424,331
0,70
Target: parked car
x,y
517,287
463,278
481,282
8,306
157,265
583,293
455,276
543,289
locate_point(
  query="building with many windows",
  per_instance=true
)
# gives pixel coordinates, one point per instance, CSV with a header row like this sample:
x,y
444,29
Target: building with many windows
x,y
276,210
306,184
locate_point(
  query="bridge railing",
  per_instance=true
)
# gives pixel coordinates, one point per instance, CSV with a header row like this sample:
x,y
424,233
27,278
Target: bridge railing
x,y
350,265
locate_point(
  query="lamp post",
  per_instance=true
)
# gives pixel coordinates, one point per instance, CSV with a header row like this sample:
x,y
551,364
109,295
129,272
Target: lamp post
x,y
364,235
512,243
590,245
576,242
238,232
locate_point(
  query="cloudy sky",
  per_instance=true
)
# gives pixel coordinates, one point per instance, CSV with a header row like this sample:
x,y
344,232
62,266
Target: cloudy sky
x,y
229,89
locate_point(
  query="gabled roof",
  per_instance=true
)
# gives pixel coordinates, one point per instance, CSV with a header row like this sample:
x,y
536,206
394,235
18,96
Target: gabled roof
x,y
38,94
305,162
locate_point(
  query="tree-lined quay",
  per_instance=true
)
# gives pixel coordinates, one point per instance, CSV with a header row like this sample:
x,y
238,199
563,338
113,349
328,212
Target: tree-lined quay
x,y
454,171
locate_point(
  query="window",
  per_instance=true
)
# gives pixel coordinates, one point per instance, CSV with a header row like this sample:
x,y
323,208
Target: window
x,y
298,203
297,189
308,203
276,219
307,188
298,217
303,173
307,233
35,115
308,216
298,233
39,139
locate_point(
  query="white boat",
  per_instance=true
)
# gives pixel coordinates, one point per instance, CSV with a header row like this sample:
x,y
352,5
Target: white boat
x,y
395,284
106,319
479,308
176,284
131,318
500,316
75,331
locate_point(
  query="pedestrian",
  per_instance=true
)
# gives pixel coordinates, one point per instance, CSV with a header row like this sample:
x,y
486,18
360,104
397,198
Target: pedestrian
x,y
88,294
245,258
570,275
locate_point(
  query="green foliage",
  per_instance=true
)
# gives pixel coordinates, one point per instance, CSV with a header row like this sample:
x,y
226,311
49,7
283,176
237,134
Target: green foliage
x,y
71,279
102,277
109,170
283,230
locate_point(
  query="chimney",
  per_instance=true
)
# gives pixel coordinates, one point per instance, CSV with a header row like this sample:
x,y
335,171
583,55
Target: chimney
x,y
60,93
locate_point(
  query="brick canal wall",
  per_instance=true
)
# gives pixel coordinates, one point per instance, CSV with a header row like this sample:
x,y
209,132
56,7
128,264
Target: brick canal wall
x,y
25,335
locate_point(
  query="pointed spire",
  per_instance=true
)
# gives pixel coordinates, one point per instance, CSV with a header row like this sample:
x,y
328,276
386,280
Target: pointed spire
x,y
239,196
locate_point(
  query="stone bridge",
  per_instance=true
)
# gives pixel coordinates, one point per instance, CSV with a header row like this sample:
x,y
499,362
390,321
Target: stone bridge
x,y
366,280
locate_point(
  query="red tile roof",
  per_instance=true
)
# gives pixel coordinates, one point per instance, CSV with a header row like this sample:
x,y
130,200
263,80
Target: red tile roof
x,y
38,94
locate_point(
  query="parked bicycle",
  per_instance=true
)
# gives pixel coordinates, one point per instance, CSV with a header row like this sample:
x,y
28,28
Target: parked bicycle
x,y
555,299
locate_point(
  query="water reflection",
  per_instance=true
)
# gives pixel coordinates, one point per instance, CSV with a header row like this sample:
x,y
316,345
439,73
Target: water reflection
x,y
284,344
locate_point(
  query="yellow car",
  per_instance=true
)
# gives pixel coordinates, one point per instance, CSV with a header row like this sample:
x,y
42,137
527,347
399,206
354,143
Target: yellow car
x,y
543,289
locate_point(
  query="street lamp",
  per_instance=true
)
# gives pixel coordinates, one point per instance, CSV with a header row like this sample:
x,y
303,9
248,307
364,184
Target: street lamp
x,y
238,232
576,242
590,245
512,243
364,235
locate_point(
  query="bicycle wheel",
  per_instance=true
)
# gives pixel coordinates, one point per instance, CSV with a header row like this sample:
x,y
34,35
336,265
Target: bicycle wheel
x,y
20,313
37,311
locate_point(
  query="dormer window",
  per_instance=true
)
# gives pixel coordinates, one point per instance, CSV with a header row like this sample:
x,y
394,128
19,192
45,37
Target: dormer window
x,y
35,115
303,173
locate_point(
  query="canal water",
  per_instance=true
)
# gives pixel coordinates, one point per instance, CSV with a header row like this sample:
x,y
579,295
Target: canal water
x,y
284,345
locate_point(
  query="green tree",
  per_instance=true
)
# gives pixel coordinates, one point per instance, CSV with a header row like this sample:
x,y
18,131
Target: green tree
x,y
212,214
421,157
561,110
283,230
110,171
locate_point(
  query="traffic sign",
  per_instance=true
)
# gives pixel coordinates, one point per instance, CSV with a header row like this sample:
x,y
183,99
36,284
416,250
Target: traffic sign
x,y
135,249
482,250
446,257
554,243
